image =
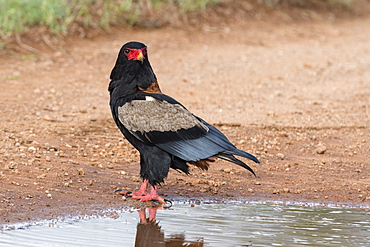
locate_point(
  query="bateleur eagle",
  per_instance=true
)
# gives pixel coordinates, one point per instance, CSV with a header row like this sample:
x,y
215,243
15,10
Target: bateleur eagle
x,y
165,133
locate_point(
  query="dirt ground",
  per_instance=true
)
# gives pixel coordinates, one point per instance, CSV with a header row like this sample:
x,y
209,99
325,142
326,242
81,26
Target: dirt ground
x,y
295,95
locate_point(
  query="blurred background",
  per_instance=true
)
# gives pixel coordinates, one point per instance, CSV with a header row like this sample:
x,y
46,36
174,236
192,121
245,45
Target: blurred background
x,y
51,20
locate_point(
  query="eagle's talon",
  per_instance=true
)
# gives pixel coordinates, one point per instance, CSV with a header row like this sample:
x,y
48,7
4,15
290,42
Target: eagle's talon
x,y
167,203
124,193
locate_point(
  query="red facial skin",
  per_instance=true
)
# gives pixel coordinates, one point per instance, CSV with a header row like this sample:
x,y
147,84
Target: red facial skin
x,y
134,54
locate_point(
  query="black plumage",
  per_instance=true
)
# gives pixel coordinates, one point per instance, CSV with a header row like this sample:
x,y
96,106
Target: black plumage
x,y
165,133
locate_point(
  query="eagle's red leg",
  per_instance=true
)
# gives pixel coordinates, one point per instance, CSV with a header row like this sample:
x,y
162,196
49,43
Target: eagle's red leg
x,y
141,192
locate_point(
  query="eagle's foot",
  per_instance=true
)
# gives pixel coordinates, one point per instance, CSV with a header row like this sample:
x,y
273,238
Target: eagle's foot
x,y
143,195
150,197
141,192
131,194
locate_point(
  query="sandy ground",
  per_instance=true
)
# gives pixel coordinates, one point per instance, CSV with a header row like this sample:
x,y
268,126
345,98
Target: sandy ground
x,y
296,95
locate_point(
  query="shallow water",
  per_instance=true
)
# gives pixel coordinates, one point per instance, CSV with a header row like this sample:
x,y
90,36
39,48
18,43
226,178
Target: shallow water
x,y
184,224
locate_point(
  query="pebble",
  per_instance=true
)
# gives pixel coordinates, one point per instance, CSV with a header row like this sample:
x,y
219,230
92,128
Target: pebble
x,y
47,118
320,149
280,156
286,190
67,184
12,165
42,176
227,170
81,172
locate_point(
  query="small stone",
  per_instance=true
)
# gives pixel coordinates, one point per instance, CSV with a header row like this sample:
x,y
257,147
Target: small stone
x,y
242,141
320,149
276,192
41,176
250,190
12,165
257,183
283,134
81,172
280,156
286,190
227,170
67,184
47,158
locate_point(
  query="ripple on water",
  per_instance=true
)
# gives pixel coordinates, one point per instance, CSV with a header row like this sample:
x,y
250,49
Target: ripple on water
x,y
235,224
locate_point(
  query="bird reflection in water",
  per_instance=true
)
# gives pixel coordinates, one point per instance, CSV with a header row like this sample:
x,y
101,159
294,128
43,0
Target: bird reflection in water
x,y
150,234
